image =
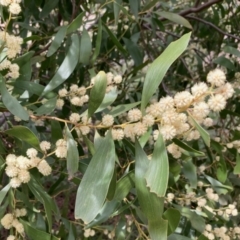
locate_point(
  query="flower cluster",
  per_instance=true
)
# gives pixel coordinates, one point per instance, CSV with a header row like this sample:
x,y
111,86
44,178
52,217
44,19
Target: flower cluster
x,y
10,220
13,6
18,166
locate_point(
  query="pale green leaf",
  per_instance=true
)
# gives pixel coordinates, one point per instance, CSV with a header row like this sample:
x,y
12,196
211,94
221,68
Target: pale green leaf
x,y
94,186
57,41
11,103
175,18
173,216
204,134
116,111
67,66
159,67
158,170
47,107
3,192
72,154
97,93
190,172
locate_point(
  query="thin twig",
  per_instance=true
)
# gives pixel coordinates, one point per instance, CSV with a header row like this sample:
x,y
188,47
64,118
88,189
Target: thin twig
x,y
213,26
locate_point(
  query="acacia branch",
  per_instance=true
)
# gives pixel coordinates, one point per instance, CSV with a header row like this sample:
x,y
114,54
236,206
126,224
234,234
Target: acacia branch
x,y
214,26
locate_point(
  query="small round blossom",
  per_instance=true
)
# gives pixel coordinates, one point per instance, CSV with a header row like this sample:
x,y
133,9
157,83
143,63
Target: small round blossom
x,y
77,101
168,132
208,122
14,8
20,212
166,103
31,152
129,132
11,171
117,79
5,2
199,89
174,150
226,91
109,77
134,115
61,142
45,145
23,162
62,92
84,130
7,220
216,77
74,117
107,120
117,134
74,88
24,176
15,182
183,99
201,202
11,159
59,104
81,91
44,168
139,129
19,227
148,120
201,110
61,152
217,103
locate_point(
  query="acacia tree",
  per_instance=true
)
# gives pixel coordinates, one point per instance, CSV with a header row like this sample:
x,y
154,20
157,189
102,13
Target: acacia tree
x,y
119,119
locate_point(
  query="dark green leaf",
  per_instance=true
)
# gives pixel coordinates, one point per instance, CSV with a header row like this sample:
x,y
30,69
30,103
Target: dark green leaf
x,y
116,10
85,47
67,66
11,103
149,5
76,23
98,42
232,50
190,172
225,62
97,93
158,170
94,186
72,154
57,41
159,67
204,134
173,216
189,151
48,7
24,134
47,107
237,167
31,87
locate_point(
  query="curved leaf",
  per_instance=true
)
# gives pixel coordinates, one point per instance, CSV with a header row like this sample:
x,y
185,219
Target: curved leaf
x,y
47,107
67,66
97,93
159,67
72,154
24,134
94,186
158,170
11,103
85,47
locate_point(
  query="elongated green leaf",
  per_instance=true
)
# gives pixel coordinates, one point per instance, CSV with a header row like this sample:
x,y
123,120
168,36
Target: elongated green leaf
x,y
134,6
98,42
225,62
232,50
36,234
93,189
158,170
150,203
204,134
56,43
48,7
44,198
67,66
85,47
175,18
237,167
109,98
116,111
159,67
97,93
115,40
149,5
222,170
31,87
56,131
47,107
217,186
190,172
76,23
189,151
173,216
177,237
72,154
24,134
116,10
11,103
4,192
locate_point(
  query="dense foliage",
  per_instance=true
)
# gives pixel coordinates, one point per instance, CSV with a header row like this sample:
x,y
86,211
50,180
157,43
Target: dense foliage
x,y
119,119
